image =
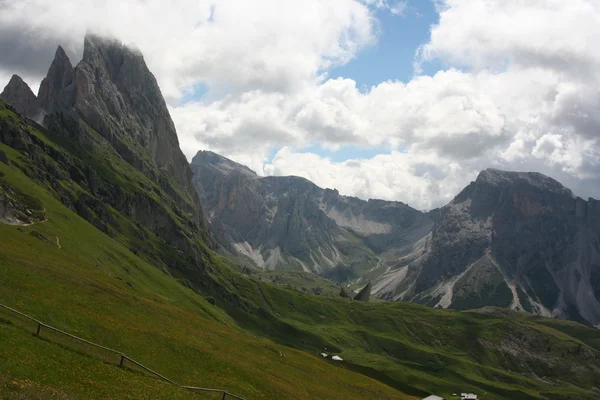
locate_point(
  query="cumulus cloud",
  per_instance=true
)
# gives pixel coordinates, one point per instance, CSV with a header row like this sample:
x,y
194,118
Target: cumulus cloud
x,y
233,46
417,179
521,91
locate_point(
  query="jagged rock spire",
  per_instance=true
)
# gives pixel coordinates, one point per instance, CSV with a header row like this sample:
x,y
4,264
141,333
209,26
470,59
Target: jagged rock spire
x,y
118,96
57,90
18,94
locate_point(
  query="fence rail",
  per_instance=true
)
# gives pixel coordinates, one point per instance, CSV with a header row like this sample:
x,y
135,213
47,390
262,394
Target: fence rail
x,y
124,357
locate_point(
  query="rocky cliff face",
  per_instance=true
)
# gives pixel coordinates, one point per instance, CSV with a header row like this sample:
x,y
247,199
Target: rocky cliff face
x,y
18,94
509,239
119,97
288,222
57,90
518,240
113,92
109,109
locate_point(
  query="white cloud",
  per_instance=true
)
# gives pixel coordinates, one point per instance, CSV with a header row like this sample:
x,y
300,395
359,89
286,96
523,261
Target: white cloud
x,y
416,179
233,46
522,90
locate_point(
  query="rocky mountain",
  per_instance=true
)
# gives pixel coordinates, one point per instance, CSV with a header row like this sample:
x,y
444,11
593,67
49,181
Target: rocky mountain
x,y
509,239
19,95
289,222
119,155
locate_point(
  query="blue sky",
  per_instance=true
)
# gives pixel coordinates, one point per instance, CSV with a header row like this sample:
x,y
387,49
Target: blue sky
x,y
391,58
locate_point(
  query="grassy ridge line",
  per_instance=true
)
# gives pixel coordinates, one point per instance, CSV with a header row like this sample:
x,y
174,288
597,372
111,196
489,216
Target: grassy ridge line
x,y
95,287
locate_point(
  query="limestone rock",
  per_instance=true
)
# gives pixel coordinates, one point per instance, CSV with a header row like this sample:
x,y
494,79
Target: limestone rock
x,y
509,239
18,94
289,222
118,96
57,90
365,293
344,292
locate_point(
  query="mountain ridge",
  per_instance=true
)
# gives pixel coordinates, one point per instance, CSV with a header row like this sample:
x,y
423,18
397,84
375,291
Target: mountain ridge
x,y
458,256
275,221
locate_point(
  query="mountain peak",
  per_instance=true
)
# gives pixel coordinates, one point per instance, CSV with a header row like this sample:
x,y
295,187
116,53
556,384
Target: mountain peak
x,y
93,43
224,164
57,90
16,80
60,54
19,95
96,48
118,96
498,177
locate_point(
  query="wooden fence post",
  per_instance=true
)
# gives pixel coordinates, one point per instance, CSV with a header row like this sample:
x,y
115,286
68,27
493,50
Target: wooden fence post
x,y
122,360
224,395
38,329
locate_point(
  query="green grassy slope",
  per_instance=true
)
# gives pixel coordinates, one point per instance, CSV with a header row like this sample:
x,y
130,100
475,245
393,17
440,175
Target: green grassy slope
x,y
420,350
115,282
96,288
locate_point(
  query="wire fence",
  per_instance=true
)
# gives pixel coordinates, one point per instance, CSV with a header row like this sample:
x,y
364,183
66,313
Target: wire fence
x,y
122,358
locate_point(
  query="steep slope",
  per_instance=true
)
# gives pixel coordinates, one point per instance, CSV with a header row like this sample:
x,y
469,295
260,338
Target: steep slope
x,y
118,145
509,239
66,272
288,222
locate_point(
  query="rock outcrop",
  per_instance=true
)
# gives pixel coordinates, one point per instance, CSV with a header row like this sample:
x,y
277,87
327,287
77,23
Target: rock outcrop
x,y
109,109
57,89
18,94
365,293
288,222
509,239
118,96
344,293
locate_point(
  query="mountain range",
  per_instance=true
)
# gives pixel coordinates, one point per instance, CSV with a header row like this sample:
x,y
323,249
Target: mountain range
x,y
108,233
509,239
